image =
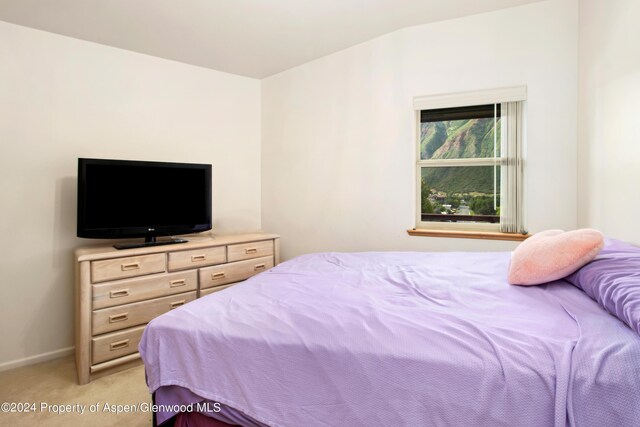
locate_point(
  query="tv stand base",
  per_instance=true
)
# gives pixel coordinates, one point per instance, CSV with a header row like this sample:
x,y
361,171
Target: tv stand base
x,y
146,243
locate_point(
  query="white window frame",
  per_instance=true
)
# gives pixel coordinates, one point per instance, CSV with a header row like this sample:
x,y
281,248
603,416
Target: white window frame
x,y
454,100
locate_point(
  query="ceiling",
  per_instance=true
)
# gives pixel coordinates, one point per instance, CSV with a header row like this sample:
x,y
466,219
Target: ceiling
x,y
254,38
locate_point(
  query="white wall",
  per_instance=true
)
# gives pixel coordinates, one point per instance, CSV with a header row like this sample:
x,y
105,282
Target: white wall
x,y
338,133
609,107
62,98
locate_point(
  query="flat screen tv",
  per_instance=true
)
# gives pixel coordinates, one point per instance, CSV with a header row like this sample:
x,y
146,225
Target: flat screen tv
x,y
126,199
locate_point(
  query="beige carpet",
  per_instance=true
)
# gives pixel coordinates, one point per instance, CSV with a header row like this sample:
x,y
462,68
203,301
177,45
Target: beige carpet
x,y
54,383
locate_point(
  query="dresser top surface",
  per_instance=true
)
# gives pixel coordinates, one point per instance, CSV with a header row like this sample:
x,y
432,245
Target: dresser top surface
x,y
91,253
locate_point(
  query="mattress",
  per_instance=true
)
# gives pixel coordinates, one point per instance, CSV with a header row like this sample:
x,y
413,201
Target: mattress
x,y
401,339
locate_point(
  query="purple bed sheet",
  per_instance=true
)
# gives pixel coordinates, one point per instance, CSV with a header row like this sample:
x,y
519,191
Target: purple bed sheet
x,y
402,339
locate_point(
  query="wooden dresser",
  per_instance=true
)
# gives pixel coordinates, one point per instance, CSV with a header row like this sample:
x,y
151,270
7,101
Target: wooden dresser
x,y
119,291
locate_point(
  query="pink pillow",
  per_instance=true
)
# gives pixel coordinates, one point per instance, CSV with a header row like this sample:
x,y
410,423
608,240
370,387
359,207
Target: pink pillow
x,y
553,254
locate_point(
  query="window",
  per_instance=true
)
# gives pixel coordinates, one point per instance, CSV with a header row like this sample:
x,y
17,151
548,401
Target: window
x,y
469,162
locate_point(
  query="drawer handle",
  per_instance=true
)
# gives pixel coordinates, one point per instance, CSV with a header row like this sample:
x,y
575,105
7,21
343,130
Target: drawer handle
x,y
130,266
177,283
118,345
177,304
215,276
250,251
118,317
119,293
196,258
258,267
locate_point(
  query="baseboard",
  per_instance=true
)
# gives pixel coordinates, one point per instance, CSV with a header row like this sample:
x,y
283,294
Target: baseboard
x,y
12,364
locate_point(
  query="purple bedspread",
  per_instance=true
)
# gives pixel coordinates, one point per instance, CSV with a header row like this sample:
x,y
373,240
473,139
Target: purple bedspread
x,y
400,339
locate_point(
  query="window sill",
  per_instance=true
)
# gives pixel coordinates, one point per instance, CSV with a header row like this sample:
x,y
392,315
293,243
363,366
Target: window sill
x,y
487,235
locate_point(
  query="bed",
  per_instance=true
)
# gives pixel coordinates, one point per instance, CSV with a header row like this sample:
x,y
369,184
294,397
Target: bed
x,y
394,339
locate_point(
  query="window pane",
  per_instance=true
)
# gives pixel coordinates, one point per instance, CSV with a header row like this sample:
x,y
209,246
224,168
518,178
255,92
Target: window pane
x,y
459,139
460,194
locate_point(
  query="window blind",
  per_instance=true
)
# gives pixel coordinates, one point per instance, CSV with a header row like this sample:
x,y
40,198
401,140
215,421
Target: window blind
x,y
460,113
511,206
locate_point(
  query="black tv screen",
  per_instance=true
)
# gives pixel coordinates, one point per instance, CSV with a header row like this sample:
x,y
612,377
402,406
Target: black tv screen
x,y
124,198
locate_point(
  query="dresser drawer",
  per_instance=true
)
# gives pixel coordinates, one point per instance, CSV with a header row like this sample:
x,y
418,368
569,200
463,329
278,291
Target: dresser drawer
x,y
120,268
137,313
143,288
181,260
116,344
250,250
233,272
205,292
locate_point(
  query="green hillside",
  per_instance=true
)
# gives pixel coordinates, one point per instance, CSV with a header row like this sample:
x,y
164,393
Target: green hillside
x,y
475,179
472,138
